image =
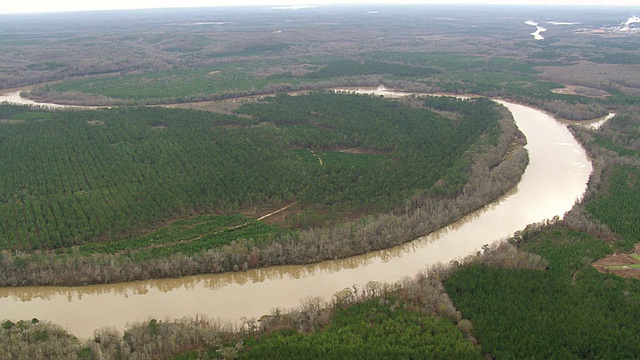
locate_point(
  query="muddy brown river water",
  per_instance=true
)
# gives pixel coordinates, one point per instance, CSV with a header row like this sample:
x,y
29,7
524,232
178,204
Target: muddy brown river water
x,y
555,178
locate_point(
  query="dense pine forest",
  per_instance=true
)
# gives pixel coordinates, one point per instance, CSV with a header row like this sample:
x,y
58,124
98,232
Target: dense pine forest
x,y
135,186
225,149
76,177
569,311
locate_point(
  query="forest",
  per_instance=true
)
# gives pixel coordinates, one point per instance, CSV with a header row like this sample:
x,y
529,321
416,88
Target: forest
x,y
569,311
78,177
219,118
136,186
585,304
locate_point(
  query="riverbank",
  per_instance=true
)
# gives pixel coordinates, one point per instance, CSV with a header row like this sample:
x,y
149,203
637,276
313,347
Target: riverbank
x,y
556,176
495,170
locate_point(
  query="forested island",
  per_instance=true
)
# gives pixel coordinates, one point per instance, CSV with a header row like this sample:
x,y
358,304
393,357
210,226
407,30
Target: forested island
x,y
221,147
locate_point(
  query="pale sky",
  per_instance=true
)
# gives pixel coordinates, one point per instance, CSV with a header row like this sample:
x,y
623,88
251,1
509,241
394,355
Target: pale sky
x,y
12,6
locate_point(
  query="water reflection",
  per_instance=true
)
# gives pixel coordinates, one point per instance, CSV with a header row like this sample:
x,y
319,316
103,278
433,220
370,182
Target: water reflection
x,y
216,281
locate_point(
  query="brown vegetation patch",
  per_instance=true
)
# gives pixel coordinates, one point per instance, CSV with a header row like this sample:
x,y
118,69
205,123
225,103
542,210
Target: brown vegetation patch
x,y
624,265
581,91
606,33
5,121
234,126
226,106
417,103
361,151
280,218
75,98
297,70
215,72
616,77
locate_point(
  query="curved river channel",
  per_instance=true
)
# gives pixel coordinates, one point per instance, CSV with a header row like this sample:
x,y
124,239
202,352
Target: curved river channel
x,y
555,178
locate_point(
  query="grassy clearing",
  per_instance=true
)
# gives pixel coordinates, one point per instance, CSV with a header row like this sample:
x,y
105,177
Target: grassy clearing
x,y
189,236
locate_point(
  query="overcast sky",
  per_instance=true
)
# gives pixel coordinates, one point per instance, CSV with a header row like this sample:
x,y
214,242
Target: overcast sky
x,y
17,6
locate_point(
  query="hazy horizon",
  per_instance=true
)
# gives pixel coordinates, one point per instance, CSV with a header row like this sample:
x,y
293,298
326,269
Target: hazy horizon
x,y
44,6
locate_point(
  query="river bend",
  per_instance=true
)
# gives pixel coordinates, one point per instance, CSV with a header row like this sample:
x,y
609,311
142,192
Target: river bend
x,y
555,178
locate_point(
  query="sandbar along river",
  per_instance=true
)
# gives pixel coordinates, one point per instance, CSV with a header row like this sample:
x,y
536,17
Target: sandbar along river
x,y
555,178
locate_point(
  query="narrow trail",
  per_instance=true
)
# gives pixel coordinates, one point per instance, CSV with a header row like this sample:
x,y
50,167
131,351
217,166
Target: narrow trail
x,y
279,210
316,155
184,241
226,228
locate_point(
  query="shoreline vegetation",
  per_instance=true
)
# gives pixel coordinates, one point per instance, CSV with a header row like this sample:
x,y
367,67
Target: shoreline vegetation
x,y
421,298
558,108
494,171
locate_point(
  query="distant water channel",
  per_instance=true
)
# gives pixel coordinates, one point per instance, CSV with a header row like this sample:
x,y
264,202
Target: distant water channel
x,y
13,97
555,178
539,30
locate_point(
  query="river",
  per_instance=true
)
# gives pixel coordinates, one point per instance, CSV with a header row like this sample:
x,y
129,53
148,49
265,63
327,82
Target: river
x,y
555,178
539,29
